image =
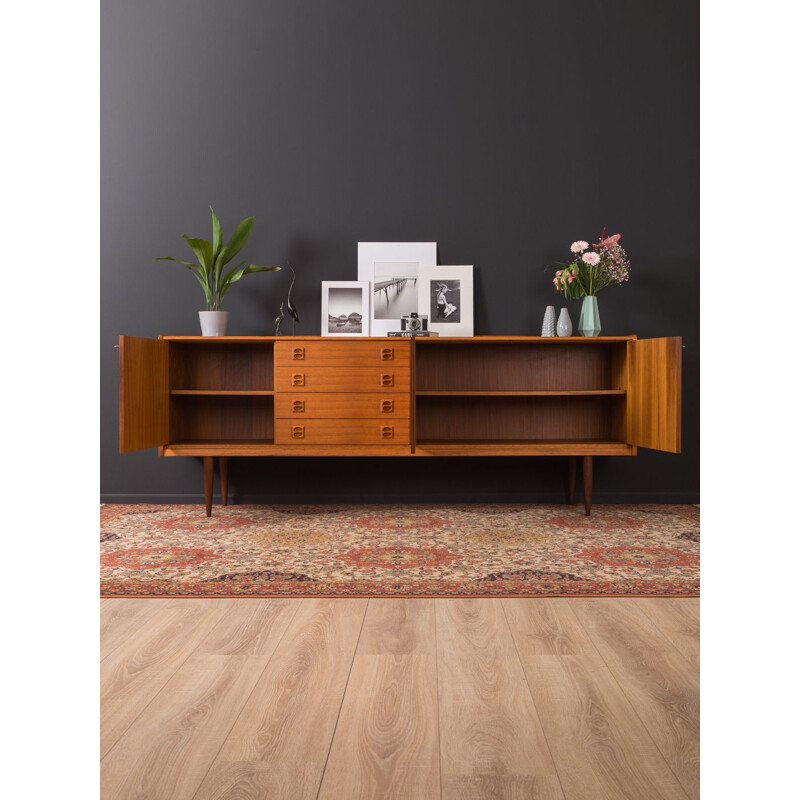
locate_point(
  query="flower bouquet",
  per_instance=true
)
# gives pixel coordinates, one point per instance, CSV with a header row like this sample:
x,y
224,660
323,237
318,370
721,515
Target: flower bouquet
x,y
593,268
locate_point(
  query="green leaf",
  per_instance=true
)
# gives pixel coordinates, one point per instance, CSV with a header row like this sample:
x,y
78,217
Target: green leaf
x,y
217,233
238,272
236,242
178,260
202,249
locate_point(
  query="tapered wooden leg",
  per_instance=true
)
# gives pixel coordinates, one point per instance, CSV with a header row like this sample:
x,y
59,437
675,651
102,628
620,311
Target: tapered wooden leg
x,y
208,481
587,484
223,478
571,470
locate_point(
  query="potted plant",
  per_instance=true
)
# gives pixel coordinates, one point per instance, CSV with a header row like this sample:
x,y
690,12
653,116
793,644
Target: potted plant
x,y
593,268
212,258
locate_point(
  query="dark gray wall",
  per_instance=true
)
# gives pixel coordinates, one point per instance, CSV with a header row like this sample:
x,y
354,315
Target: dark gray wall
x,y
503,130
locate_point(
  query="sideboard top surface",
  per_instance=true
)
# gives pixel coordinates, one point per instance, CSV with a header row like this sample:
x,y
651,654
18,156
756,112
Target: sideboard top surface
x,y
420,340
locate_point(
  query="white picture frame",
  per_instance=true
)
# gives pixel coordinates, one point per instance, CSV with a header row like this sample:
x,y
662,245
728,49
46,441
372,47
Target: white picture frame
x,y
392,268
342,302
446,298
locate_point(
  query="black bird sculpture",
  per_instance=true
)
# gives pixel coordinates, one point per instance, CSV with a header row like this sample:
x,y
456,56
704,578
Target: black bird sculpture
x,y
289,307
278,320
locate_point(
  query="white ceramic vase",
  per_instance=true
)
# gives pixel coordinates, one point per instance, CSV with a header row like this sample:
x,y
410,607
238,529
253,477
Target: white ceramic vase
x,y
549,322
213,323
564,326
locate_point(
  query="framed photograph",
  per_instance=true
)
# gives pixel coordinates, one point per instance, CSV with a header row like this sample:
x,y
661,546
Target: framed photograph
x,y
345,308
393,270
445,297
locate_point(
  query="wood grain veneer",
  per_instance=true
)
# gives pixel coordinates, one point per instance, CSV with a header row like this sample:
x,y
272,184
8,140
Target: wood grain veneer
x,y
143,393
539,393
445,418
344,708
239,366
262,756
545,447
132,675
451,397
391,378
327,405
491,740
654,415
230,392
266,447
341,431
348,353
229,418
515,367
663,686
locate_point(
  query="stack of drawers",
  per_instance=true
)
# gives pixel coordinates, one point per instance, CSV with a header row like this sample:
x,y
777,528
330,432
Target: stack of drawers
x,y
342,392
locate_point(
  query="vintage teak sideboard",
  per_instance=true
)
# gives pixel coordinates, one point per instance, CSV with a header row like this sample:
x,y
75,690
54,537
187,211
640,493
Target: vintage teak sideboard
x,y
216,398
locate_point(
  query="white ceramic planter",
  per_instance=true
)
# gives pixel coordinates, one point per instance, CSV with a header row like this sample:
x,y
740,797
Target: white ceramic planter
x,y
213,323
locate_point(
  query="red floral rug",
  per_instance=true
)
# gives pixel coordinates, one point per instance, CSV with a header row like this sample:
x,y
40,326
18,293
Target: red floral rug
x,y
400,550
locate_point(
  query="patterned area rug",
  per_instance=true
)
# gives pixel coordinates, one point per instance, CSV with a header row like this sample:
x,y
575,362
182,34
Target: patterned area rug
x,y
400,550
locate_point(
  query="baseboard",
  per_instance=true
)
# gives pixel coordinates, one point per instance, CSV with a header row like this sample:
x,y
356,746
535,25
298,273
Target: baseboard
x,y
598,498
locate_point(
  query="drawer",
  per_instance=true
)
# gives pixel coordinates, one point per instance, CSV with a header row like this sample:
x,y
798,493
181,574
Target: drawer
x,y
339,379
342,431
343,354
323,405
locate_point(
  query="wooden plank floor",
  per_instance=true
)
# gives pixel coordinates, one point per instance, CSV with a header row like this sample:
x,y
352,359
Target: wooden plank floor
x,y
569,699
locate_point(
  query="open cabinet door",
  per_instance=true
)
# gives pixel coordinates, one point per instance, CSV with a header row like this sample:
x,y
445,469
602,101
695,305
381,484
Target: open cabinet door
x,y
143,393
654,393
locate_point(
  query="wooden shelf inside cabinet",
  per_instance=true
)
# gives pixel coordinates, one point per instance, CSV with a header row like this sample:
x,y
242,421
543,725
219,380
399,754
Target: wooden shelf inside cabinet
x,y
523,447
225,392
523,339
267,447
535,393
198,447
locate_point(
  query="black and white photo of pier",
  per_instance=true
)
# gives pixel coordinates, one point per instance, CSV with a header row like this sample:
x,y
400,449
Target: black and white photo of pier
x,y
394,289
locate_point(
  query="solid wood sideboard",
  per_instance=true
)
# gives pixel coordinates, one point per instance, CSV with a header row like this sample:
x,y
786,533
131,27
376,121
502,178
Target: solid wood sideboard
x,y
480,396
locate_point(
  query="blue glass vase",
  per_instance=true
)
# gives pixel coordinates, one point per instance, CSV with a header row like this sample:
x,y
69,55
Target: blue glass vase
x,y
589,323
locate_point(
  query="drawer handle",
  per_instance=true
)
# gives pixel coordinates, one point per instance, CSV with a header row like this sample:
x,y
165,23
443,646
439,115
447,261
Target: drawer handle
x,y
298,432
387,432
298,379
387,406
299,353
387,353
298,406
387,380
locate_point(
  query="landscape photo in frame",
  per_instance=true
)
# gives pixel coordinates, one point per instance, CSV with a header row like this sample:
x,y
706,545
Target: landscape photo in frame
x,y
345,308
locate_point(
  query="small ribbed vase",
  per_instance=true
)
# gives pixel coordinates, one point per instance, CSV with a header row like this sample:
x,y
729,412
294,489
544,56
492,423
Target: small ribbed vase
x,y
564,325
589,322
549,322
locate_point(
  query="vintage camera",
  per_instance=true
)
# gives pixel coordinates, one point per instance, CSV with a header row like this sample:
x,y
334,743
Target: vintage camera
x,y
414,322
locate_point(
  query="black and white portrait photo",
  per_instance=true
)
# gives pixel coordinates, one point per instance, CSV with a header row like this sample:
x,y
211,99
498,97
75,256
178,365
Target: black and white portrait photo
x,y
345,308
445,296
446,301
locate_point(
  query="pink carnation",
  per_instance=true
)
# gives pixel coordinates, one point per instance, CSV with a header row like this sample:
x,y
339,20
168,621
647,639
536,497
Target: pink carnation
x,y
591,258
579,246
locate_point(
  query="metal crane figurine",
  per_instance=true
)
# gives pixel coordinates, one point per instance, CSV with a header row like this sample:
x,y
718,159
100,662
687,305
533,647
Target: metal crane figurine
x,y
289,307
278,320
